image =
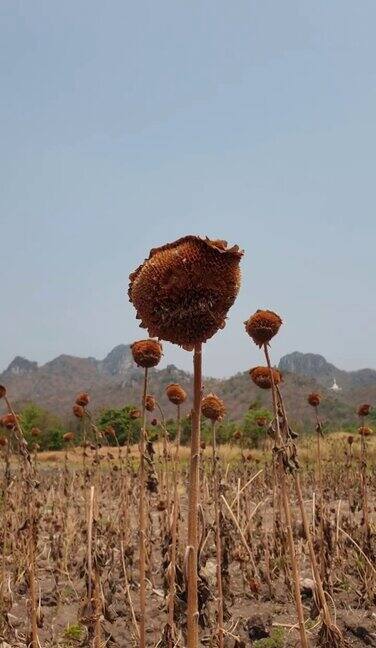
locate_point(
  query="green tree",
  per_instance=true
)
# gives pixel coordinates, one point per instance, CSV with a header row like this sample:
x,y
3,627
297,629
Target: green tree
x,y
50,426
253,432
126,427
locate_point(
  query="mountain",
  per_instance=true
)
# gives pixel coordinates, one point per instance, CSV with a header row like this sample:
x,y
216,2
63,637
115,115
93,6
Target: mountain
x,y
315,366
116,381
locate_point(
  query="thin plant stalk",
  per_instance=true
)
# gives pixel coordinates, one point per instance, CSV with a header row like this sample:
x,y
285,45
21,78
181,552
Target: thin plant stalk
x,y
193,501
287,512
218,541
174,526
142,518
32,524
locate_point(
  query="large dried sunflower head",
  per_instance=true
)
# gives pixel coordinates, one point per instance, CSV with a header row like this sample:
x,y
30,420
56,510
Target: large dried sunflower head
x,y
364,410
150,403
183,291
314,399
263,326
176,394
213,407
146,353
262,378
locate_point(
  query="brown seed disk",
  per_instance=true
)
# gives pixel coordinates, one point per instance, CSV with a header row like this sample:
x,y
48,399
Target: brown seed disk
x,y
150,403
183,291
261,377
82,399
314,399
3,391
365,431
78,411
68,436
350,440
9,421
263,326
176,394
213,407
3,441
146,353
364,410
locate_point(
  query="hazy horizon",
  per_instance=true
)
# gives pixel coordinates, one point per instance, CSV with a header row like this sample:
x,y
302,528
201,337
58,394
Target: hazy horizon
x,y
127,126
167,348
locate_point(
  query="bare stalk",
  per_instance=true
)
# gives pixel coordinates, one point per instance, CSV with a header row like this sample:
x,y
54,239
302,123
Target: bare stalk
x,y
218,542
287,510
142,518
174,526
193,497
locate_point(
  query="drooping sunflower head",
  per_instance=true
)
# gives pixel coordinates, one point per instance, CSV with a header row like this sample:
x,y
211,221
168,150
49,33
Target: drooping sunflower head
x,y
365,431
263,326
314,399
176,394
150,403
262,378
213,407
82,399
183,291
146,353
364,410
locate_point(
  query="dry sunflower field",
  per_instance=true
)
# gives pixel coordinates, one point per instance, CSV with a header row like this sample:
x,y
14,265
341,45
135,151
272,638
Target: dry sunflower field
x,y
157,545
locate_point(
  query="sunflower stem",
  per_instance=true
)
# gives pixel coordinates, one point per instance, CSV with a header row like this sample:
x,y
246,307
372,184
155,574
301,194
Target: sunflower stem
x,y
194,486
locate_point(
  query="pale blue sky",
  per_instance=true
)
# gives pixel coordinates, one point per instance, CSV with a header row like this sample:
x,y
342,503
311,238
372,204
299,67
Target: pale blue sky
x,y
128,124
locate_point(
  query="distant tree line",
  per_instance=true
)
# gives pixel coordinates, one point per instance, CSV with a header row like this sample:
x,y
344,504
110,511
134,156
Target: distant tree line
x,y
250,431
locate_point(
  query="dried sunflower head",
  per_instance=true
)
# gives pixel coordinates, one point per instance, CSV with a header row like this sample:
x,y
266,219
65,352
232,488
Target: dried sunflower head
x,y
213,407
263,326
3,441
176,394
350,439
261,377
150,403
3,391
82,399
183,291
365,431
78,411
146,353
364,410
314,399
9,421
134,414
35,432
68,437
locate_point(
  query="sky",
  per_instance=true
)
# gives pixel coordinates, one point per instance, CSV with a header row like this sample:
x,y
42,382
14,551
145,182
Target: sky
x,y
124,125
